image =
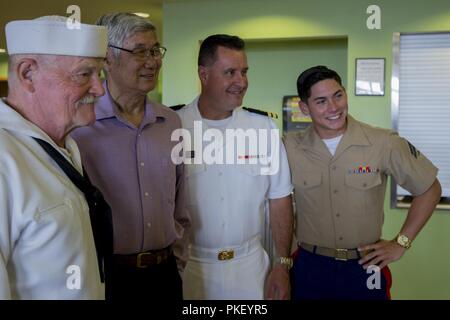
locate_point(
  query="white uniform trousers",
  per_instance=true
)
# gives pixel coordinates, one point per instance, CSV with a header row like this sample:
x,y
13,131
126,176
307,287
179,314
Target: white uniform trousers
x,y
240,278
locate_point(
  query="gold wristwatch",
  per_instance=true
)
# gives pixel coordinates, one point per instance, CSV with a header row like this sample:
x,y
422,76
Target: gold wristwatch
x,y
285,261
403,241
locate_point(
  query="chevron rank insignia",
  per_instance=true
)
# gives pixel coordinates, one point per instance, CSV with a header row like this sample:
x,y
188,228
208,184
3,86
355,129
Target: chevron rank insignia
x,y
413,150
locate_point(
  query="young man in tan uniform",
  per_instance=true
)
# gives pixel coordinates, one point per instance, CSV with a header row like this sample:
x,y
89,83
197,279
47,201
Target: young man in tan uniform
x,y
339,170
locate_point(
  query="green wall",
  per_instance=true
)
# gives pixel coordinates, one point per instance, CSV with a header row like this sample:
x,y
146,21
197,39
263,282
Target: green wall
x,y
3,65
270,80
424,271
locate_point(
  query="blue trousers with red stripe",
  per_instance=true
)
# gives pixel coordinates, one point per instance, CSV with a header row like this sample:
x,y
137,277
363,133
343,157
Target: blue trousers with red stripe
x,y
318,277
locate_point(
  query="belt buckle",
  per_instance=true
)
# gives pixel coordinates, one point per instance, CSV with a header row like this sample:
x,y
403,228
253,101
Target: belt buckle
x,y
139,261
341,254
225,255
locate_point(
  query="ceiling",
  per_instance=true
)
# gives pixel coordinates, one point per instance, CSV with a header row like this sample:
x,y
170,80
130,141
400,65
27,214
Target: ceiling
x,y
90,10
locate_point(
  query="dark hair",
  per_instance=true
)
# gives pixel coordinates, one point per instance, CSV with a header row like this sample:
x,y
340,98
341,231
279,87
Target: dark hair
x,y
311,76
208,48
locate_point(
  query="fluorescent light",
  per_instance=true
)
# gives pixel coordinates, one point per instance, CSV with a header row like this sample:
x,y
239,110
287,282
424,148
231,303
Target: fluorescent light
x,y
142,14
2,50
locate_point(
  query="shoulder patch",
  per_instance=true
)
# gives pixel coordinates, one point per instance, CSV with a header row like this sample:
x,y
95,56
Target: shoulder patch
x,y
264,113
177,107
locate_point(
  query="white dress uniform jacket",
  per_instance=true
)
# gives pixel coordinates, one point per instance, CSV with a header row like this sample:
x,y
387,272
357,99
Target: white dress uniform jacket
x,y
226,203
47,249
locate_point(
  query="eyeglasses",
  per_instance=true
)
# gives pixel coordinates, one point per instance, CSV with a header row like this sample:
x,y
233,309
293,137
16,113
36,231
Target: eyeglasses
x,y
142,53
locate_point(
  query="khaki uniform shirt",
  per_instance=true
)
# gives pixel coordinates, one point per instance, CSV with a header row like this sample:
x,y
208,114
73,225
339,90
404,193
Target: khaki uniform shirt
x,y
340,198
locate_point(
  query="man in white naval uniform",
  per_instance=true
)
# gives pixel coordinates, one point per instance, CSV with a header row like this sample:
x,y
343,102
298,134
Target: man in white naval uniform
x,y
47,249
227,200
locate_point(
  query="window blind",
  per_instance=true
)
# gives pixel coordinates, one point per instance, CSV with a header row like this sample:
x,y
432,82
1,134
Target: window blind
x,y
424,99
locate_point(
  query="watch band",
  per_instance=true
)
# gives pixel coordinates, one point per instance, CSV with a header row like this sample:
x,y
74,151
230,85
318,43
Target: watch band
x,y
403,241
286,261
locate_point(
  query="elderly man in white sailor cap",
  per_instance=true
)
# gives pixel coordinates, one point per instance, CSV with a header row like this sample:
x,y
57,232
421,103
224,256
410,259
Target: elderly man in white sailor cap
x,y
47,247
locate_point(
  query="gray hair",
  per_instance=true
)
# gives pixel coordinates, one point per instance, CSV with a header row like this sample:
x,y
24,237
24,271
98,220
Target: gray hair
x,y
122,25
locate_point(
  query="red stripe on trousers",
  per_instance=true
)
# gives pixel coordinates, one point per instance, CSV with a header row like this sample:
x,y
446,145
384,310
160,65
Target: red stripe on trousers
x,y
388,276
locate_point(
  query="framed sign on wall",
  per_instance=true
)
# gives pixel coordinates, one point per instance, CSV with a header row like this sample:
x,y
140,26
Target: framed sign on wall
x,y
370,76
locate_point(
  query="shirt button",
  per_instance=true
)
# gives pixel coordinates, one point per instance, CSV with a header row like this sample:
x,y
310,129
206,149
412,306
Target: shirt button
x,y
333,167
305,183
149,225
146,194
338,215
142,164
335,191
341,238
221,198
364,184
220,173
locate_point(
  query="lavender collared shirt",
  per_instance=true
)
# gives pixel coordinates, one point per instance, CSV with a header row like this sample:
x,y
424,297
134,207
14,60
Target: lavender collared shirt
x,y
133,169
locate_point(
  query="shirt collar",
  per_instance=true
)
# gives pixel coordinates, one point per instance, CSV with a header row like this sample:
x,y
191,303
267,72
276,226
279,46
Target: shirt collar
x,y
353,135
11,120
106,108
196,116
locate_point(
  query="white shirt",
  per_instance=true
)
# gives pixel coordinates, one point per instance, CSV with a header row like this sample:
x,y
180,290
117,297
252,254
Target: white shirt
x,y
47,249
226,201
332,143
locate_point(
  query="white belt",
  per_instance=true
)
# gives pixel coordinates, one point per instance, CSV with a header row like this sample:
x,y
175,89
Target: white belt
x,y
220,254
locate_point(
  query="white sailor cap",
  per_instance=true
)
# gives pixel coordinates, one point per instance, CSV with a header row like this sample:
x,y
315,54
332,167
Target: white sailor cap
x,y
55,36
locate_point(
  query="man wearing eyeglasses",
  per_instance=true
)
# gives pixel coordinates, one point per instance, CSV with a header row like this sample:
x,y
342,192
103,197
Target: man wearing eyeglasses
x,y
127,154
